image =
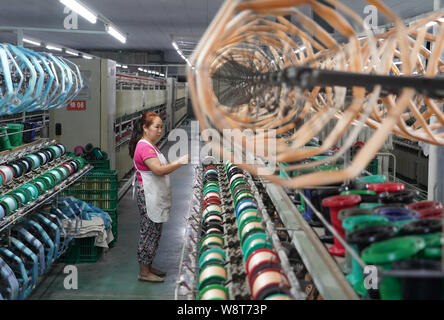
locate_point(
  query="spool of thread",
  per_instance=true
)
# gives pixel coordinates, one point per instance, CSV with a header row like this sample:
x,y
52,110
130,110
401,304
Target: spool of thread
x,y
43,158
46,183
88,148
39,157
51,154
7,174
24,194
2,211
79,150
20,197
18,169
50,182
97,153
32,190
40,185
57,151
57,174
35,160
80,161
62,148
70,167
10,204
63,171
14,170
26,163
74,164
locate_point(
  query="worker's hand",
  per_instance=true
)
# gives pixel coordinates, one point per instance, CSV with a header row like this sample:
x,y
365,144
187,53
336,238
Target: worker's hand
x,y
184,159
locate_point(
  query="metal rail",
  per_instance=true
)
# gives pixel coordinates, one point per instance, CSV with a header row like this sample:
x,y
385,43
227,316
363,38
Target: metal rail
x,y
327,276
181,281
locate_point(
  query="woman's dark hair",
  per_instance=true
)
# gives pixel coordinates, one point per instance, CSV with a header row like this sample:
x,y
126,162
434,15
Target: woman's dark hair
x,y
147,120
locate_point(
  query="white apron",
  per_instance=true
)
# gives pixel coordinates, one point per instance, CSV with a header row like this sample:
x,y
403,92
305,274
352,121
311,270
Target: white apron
x,y
157,190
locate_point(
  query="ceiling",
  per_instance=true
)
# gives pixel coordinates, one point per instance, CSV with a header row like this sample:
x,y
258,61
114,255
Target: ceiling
x,y
149,24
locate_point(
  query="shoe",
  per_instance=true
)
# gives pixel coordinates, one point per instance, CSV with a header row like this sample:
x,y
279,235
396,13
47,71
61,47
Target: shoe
x,y
150,278
158,272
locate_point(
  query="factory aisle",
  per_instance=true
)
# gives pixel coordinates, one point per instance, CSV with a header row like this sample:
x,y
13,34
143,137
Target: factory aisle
x,y
114,276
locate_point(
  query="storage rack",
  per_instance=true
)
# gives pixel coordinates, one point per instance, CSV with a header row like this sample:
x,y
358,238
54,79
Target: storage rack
x,y
186,280
49,194
237,287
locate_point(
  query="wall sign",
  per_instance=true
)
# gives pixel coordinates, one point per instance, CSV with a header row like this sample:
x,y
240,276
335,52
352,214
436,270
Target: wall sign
x,y
77,105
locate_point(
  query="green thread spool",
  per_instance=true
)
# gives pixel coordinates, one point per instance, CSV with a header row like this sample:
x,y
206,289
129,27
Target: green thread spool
x,y
10,204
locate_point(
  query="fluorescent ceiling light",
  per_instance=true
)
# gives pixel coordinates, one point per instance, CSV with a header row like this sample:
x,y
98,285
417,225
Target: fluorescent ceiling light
x,y
80,9
431,24
86,57
71,53
125,67
50,47
398,62
144,70
175,46
118,65
140,69
116,34
31,42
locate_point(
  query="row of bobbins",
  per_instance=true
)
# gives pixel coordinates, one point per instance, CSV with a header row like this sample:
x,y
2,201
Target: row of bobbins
x,y
266,279
31,190
212,272
26,164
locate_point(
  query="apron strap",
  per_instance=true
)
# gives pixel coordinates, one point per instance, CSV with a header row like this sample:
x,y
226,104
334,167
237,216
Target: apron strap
x,y
135,180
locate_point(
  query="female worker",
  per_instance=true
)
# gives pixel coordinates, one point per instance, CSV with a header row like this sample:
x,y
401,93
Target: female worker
x,y
153,190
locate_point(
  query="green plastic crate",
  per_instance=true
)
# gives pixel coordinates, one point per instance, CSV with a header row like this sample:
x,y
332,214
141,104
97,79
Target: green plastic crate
x,y
98,180
99,164
82,250
16,138
99,188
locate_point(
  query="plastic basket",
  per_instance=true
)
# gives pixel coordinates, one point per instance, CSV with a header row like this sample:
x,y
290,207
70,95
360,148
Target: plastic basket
x,y
99,164
99,180
5,144
16,138
82,250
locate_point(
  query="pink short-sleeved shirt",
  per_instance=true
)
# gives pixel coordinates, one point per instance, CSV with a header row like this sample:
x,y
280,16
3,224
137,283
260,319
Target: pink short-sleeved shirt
x,y
143,151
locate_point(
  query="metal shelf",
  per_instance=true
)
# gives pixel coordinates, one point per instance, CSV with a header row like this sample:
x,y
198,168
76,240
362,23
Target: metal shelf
x,y
10,155
42,199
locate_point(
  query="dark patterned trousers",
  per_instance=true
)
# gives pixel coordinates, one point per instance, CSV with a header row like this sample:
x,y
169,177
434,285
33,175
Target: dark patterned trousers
x,y
150,232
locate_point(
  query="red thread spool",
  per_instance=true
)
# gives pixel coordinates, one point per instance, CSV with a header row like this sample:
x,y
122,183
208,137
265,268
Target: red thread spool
x,y
336,204
386,187
261,259
428,209
268,282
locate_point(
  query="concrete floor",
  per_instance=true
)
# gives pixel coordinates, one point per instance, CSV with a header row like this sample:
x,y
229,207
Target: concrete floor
x,y
114,276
